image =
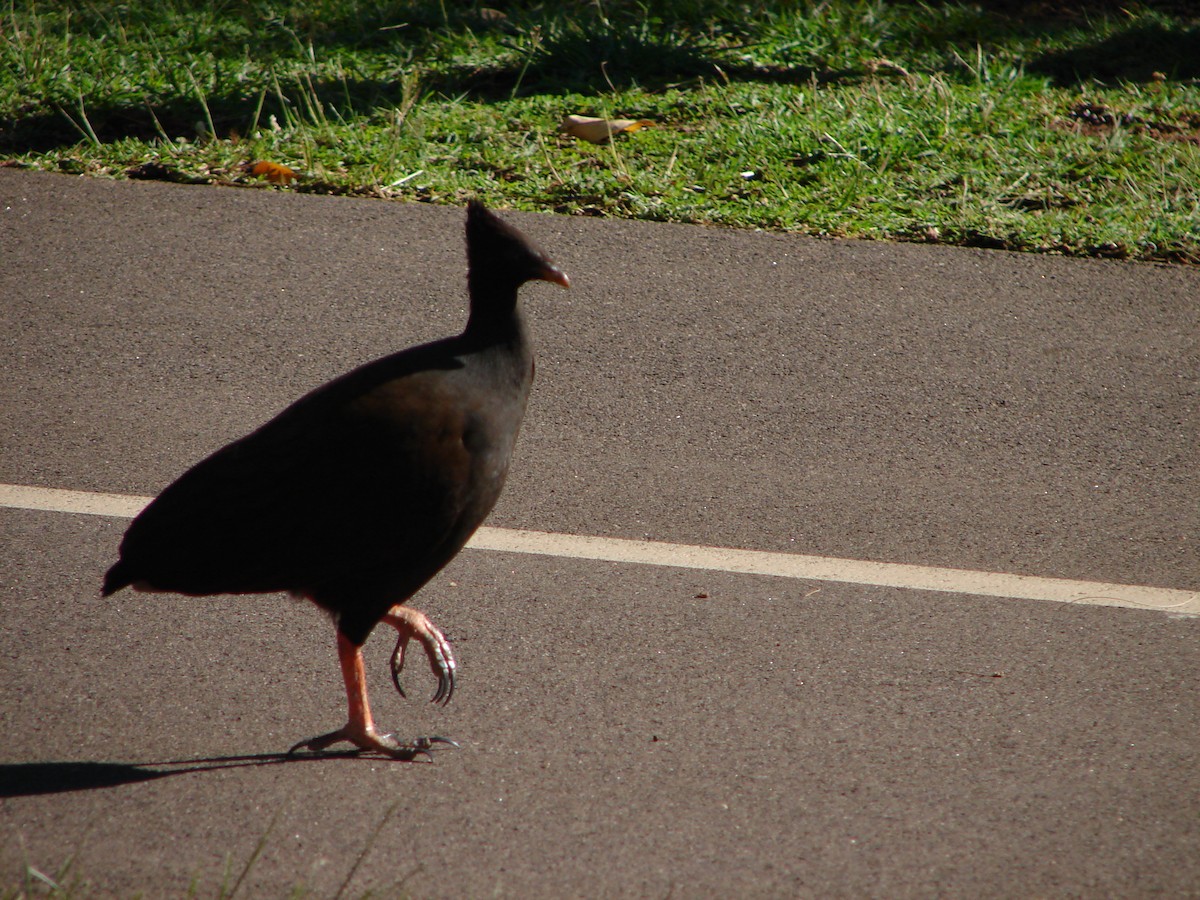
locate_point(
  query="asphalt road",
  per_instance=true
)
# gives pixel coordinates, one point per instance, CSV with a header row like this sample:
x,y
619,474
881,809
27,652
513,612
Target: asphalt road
x,y
626,730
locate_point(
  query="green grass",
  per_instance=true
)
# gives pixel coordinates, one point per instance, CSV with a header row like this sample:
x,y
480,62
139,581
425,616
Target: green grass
x,y
988,125
65,882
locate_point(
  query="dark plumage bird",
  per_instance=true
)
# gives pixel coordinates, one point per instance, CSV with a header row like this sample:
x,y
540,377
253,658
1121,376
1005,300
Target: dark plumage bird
x,y
360,492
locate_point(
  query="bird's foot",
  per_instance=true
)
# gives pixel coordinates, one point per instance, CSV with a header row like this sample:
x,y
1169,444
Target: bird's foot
x,y
409,624
368,740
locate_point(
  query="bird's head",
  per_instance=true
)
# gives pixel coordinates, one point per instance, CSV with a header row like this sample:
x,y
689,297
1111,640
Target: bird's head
x,y
498,254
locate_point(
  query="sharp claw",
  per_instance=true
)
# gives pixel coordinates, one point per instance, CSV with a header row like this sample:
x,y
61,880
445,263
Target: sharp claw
x,y
411,624
425,744
398,663
303,745
441,660
387,744
445,689
320,743
407,751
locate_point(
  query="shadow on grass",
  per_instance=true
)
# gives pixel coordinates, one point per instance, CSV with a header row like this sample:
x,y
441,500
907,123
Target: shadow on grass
x,y
46,130
573,48
35,779
543,50
1136,54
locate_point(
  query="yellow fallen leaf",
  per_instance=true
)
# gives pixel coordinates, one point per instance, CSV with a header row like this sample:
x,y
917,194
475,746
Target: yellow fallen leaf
x,y
597,130
275,173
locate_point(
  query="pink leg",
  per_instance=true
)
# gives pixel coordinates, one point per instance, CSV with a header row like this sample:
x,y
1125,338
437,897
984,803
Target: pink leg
x,y
359,730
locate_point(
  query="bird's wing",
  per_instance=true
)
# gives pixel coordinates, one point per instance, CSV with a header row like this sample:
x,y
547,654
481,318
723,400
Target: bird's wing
x,y
349,485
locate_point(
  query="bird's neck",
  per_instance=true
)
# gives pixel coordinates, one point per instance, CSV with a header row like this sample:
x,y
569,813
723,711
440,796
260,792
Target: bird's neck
x,y
494,315
500,341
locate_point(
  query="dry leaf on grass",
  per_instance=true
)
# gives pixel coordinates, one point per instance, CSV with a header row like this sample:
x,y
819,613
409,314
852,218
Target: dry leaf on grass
x,y
273,172
597,130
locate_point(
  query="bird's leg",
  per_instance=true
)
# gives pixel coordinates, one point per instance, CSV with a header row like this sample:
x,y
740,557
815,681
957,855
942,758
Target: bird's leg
x,y
409,624
360,729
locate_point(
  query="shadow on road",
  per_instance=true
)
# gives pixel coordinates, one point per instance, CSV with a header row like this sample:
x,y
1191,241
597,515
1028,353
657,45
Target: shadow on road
x,y
32,779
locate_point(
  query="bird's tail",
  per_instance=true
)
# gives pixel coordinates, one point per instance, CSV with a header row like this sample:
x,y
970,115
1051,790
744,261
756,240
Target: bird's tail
x,y
116,578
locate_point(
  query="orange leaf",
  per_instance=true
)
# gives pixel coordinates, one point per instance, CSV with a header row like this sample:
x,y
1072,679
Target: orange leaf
x,y
273,172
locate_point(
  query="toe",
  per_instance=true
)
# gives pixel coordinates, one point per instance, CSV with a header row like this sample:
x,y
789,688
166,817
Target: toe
x,y
370,741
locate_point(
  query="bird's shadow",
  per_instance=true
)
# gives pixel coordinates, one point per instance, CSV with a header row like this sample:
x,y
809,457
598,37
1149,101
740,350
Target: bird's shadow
x,y
36,778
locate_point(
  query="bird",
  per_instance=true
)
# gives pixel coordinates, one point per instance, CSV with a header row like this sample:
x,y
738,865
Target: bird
x,y
357,494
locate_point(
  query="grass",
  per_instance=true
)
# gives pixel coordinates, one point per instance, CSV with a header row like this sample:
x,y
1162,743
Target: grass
x,y
1030,126
66,883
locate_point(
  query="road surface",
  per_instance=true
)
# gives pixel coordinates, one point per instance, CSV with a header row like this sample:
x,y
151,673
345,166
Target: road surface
x,y
628,728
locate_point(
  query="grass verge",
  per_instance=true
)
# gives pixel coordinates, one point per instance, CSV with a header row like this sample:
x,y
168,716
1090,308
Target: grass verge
x,y
65,882
1060,127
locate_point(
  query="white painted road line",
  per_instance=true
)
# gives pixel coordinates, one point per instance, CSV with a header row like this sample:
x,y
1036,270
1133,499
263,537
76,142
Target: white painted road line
x,y
121,506
716,559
